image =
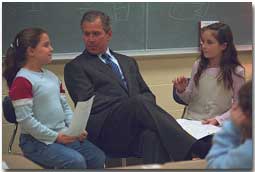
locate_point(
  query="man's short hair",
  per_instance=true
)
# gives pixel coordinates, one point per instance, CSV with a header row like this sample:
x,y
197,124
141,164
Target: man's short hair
x,y
91,16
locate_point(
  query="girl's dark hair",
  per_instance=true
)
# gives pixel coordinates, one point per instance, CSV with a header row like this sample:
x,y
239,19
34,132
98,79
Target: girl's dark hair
x,y
245,103
229,60
245,98
16,53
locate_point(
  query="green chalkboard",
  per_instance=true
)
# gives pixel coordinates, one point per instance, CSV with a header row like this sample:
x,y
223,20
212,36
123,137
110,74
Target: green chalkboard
x,y
136,25
175,25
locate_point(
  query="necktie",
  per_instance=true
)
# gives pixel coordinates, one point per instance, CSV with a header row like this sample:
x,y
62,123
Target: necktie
x,y
113,66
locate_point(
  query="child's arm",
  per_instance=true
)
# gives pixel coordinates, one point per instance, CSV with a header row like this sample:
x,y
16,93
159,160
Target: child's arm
x,y
237,84
187,94
227,150
34,127
22,99
66,108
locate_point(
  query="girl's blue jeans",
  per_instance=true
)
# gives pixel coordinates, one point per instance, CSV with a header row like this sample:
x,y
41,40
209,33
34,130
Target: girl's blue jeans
x,y
75,155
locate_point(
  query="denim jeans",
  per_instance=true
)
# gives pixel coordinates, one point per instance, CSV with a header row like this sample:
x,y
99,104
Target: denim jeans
x,y
75,155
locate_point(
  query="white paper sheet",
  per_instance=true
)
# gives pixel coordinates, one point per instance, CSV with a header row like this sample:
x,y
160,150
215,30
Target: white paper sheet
x,y
80,118
197,129
4,165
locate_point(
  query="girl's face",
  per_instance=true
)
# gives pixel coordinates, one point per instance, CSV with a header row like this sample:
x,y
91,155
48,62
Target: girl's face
x,y
42,53
210,46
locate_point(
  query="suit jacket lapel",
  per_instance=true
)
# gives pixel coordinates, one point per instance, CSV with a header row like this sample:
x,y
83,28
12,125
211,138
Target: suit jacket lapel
x,y
125,70
106,70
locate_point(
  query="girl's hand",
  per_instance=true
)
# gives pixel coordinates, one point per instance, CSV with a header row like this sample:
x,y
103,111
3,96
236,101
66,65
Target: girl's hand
x,y
180,83
83,135
65,139
211,121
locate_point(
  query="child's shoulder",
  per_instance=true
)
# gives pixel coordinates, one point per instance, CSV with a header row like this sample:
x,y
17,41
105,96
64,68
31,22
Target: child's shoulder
x,y
48,72
239,70
24,73
195,64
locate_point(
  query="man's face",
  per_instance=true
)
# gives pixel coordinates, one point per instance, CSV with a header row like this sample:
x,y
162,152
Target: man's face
x,y
95,38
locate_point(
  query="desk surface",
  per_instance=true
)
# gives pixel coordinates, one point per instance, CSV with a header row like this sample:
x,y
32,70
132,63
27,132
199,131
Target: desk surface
x,y
195,164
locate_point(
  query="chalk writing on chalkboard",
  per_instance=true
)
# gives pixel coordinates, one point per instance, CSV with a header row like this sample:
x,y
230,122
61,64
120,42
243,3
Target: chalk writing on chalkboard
x,y
121,11
35,8
178,11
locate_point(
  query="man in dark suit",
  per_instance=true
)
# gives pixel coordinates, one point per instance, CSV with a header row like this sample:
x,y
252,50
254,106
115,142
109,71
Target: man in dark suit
x,y
125,119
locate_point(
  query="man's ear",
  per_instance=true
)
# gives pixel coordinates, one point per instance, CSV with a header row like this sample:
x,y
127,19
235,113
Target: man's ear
x,y
109,33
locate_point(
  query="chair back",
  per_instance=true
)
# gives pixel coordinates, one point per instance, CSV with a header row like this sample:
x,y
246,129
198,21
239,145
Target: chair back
x,y
8,110
177,99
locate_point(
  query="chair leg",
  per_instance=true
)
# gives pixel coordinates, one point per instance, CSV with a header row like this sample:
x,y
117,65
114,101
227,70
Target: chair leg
x,y
123,162
184,111
12,138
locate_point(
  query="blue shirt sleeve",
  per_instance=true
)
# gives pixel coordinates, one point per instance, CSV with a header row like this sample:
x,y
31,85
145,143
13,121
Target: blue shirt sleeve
x,y
67,110
32,126
228,152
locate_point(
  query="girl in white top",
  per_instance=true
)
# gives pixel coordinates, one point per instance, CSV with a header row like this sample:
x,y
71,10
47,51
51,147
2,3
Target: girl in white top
x,y
215,79
41,108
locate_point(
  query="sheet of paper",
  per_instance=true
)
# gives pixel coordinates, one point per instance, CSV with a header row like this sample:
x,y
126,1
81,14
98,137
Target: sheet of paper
x,y
80,118
4,165
197,129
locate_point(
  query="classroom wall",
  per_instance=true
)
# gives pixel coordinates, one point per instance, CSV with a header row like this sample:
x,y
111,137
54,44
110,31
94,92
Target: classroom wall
x,y
157,71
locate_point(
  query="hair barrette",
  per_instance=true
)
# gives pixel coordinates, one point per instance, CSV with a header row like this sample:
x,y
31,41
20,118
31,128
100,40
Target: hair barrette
x,y
17,42
11,45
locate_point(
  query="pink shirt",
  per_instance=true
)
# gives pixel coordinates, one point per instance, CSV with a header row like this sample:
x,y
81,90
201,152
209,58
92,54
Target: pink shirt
x,y
237,83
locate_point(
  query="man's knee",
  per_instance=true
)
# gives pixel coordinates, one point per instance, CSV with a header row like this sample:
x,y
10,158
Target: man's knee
x,y
136,101
149,136
140,105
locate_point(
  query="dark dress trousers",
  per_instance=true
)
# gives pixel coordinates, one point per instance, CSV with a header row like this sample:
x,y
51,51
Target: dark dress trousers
x,y
125,121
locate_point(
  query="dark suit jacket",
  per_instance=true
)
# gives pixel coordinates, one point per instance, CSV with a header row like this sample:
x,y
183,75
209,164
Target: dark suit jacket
x,y
87,75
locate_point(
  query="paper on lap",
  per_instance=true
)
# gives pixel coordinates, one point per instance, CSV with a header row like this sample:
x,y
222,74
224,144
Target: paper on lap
x,y
80,118
197,129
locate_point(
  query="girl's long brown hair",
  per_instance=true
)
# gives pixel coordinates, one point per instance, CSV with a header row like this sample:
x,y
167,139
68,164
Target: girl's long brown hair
x,y
16,53
229,60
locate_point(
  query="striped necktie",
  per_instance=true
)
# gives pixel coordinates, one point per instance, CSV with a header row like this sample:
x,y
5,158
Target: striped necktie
x,y
114,67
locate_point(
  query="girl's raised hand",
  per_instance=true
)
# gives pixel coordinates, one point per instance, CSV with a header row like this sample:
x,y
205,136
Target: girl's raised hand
x,y
180,83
